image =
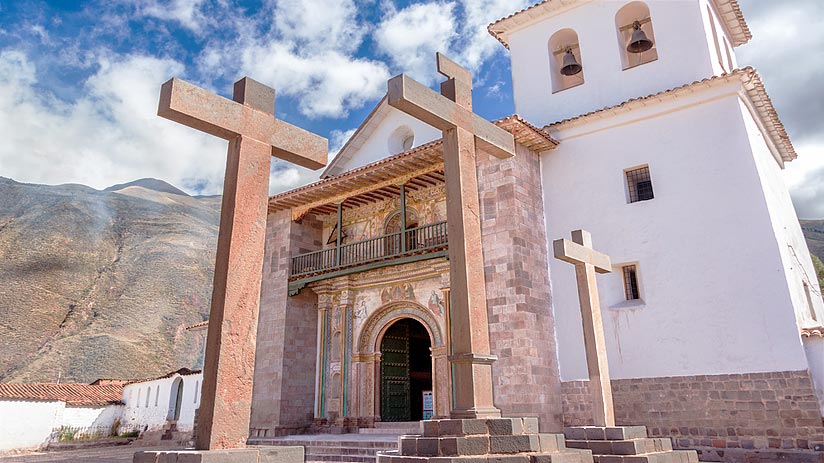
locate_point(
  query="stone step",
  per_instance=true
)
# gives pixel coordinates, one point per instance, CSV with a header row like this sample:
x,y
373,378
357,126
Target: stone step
x,y
352,448
605,433
623,447
340,459
567,456
378,444
676,456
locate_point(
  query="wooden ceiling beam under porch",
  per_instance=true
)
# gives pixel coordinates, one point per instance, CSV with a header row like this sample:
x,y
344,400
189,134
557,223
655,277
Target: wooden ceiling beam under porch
x,y
418,168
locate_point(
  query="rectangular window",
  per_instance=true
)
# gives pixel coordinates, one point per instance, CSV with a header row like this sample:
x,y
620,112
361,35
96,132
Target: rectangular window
x,y
639,184
157,394
631,283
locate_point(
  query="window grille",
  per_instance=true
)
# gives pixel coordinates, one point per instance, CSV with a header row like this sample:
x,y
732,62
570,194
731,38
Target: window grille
x,y
639,184
631,283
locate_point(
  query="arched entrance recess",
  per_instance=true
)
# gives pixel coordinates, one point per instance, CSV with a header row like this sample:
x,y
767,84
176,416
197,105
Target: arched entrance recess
x,y
406,370
175,400
392,321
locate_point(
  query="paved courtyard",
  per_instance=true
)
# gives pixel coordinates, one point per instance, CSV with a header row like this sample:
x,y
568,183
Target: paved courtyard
x,y
117,454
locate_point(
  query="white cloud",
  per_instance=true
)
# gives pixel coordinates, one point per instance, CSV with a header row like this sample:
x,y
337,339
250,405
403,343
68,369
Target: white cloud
x,y
326,84
320,24
186,12
477,45
110,135
308,55
411,36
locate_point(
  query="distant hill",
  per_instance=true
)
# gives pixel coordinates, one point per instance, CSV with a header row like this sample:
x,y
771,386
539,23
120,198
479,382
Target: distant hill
x,y
814,232
149,184
101,283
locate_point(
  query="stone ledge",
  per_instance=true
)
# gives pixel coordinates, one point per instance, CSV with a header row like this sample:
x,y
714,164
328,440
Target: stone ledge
x,y
247,455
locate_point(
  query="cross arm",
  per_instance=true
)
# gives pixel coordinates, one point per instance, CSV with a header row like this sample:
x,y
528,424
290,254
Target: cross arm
x,y
574,253
190,105
440,112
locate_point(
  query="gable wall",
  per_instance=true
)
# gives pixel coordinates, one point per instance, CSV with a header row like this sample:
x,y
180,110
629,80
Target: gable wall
x,y
376,135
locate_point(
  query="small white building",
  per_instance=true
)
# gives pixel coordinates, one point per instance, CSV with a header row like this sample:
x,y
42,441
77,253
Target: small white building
x,y
30,414
172,398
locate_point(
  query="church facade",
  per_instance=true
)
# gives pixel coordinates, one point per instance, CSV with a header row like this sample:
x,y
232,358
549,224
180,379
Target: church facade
x,y
634,123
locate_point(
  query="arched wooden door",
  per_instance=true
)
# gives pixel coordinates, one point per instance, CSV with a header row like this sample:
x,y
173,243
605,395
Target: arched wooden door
x,y
406,370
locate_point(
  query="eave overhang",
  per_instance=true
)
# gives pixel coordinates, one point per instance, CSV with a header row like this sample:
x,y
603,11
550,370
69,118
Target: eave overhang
x,y
754,92
729,10
418,168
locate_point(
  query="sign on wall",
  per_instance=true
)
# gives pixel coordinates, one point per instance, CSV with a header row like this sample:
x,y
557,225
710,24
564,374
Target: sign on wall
x,y
428,405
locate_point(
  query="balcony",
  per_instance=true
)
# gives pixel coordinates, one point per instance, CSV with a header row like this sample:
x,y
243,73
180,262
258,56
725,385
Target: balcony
x,y
419,243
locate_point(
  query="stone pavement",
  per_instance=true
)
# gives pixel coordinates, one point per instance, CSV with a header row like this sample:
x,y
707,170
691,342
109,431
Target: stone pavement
x,y
122,453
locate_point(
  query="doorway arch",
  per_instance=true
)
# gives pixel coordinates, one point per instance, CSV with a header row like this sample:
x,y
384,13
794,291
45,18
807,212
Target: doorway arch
x,y
368,357
175,400
405,370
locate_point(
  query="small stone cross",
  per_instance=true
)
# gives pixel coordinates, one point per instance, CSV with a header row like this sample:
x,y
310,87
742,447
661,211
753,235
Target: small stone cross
x,y
587,261
254,137
451,112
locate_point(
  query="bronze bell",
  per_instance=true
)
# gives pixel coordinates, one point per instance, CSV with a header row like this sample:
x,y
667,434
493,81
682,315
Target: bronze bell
x,y
571,66
639,42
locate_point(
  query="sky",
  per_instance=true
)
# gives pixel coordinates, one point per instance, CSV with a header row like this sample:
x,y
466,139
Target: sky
x,y
79,80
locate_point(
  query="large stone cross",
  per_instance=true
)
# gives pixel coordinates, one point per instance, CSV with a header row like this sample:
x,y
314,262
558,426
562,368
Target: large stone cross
x,y
587,261
254,137
451,112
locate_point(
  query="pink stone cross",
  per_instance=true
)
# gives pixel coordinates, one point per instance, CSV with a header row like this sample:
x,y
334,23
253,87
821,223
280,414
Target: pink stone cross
x,y
587,262
451,111
254,137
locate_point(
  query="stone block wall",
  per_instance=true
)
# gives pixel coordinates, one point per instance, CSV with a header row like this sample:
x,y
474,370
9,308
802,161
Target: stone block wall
x,y
284,385
525,376
777,410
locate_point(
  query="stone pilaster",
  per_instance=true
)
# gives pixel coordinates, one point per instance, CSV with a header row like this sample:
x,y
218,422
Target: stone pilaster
x,y
526,378
283,395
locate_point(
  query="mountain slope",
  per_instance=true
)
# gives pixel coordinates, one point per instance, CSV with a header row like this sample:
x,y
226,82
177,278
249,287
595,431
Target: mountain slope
x,y
101,283
149,184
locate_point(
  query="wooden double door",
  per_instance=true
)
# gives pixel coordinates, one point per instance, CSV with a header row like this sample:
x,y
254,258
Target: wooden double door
x,y
406,370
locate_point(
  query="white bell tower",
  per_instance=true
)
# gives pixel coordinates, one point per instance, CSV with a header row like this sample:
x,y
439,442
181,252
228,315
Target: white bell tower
x,y
676,43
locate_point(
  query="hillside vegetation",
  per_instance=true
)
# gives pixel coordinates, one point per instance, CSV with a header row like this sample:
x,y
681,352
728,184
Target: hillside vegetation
x,y
102,283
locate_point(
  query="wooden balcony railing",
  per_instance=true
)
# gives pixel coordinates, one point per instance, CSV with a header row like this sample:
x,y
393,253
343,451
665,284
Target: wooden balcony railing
x,y
419,240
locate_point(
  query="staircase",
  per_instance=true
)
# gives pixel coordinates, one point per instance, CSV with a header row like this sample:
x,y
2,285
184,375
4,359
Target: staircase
x,y
168,436
338,448
398,428
625,444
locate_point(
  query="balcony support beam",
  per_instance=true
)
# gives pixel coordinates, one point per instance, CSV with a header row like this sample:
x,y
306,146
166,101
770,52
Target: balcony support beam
x,y
403,218
339,238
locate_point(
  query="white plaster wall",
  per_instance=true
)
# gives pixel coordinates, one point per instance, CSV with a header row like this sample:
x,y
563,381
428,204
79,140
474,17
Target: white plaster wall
x,y
376,147
814,348
795,255
715,296
85,417
27,424
685,54
154,416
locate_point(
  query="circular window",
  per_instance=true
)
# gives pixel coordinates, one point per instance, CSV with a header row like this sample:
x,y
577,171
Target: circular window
x,y
401,139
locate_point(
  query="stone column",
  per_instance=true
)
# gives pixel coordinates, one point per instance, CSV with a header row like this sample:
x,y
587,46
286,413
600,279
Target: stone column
x,y
441,382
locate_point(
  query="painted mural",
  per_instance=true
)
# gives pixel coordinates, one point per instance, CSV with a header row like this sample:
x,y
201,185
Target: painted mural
x,y
368,221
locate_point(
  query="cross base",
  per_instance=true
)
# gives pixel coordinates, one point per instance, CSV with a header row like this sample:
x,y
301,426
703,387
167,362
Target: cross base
x,y
625,444
513,440
293,454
